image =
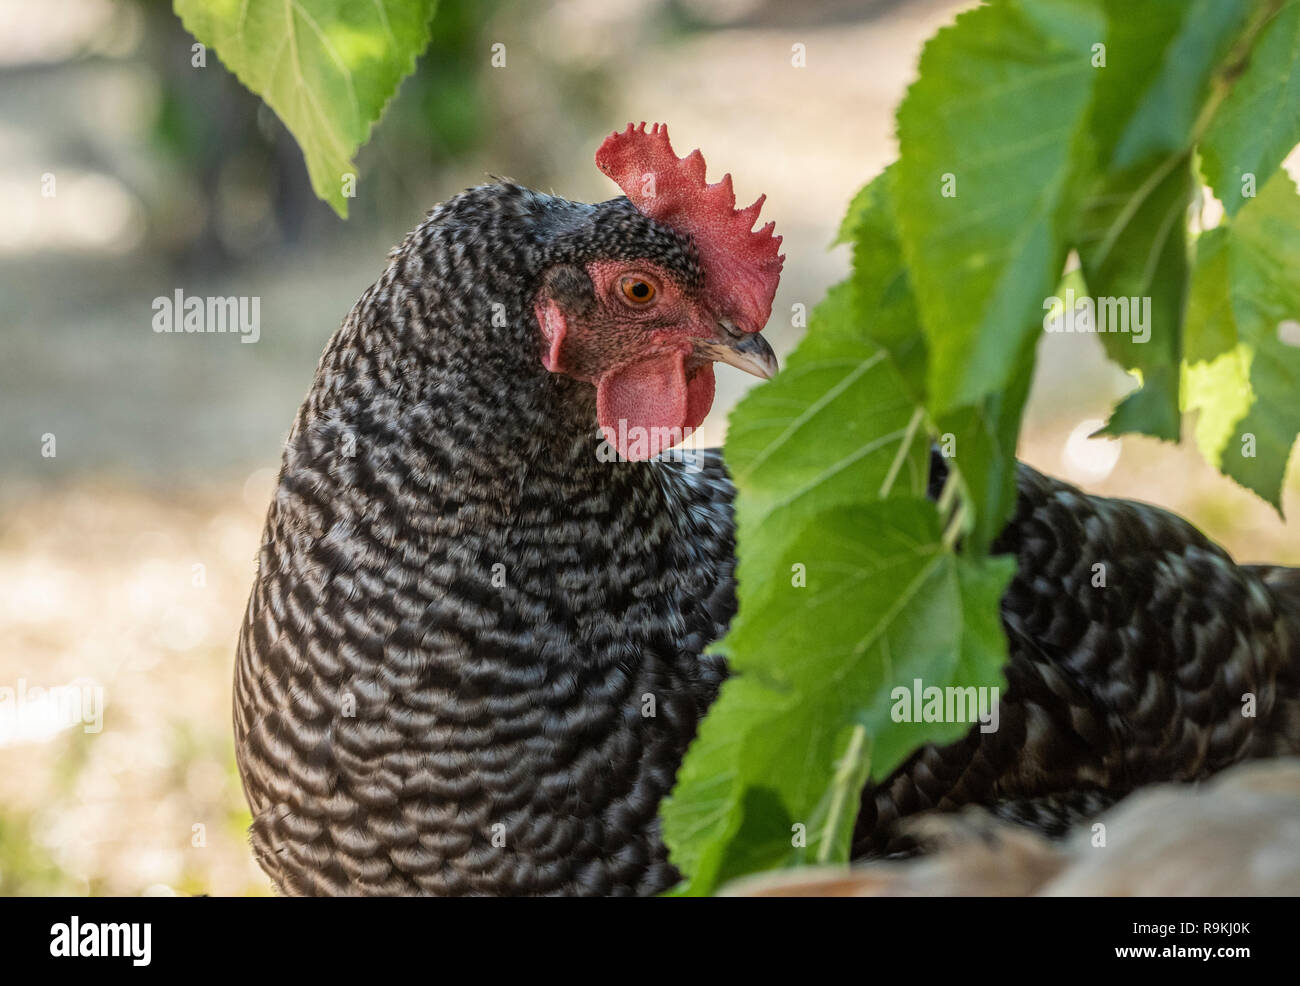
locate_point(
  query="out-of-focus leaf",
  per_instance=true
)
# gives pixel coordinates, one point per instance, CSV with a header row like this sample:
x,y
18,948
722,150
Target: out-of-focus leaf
x,y
1243,375
1259,121
1134,252
1160,58
327,67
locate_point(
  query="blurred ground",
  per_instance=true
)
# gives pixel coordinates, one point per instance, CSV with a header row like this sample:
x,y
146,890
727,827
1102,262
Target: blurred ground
x,y
99,581
125,560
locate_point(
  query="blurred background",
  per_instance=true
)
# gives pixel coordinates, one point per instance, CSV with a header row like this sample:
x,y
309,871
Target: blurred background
x,y
127,555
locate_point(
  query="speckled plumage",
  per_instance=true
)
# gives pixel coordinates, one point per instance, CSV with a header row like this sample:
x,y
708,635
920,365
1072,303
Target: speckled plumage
x,y
446,551
462,610
1120,676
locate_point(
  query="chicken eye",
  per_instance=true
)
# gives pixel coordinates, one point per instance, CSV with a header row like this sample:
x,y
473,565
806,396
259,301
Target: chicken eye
x,y
637,291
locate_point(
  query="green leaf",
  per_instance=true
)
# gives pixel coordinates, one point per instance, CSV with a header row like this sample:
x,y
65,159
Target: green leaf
x,y
787,742
1216,377
883,302
984,438
1160,59
835,426
983,435
849,585
1242,375
1000,106
1133,248
853,216
1259,121
327,67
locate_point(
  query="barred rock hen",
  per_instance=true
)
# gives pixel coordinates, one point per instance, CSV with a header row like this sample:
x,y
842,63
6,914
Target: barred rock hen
x,y
464,596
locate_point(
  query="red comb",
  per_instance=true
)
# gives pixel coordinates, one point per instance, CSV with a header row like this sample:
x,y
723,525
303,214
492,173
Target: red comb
x,y
741,265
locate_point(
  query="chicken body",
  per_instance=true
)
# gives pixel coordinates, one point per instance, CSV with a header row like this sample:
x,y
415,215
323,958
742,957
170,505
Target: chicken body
x,y
473,656
1139,653
461,612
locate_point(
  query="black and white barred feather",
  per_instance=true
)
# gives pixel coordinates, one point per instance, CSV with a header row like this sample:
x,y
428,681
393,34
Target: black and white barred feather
x,y
462,609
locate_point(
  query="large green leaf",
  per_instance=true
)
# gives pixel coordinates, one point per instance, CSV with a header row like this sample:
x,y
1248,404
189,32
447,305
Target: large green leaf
x,y
1000,106
837,427
1243,375
1259,121
792,737
846,588
327,67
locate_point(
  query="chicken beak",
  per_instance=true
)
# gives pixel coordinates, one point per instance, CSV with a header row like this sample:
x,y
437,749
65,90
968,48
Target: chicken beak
x,y
747,351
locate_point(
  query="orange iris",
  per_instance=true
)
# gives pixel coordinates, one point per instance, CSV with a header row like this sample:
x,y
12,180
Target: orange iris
x,y
637,291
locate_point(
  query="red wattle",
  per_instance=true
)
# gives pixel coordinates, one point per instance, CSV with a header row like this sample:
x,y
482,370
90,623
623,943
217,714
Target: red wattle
x,y
649,406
